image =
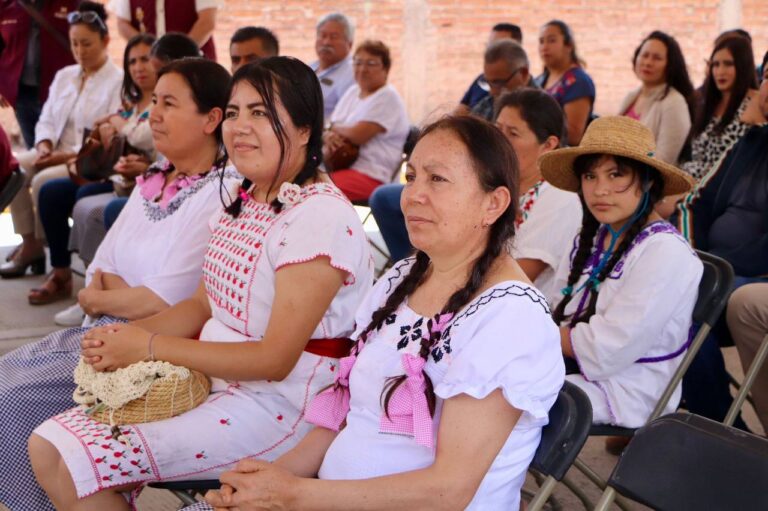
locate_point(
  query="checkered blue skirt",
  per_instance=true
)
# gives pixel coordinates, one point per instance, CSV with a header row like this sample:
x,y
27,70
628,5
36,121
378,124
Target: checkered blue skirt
x,y
36,383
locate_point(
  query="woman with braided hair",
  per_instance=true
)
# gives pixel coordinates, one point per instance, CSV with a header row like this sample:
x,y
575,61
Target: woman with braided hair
x,y
631,280
457,361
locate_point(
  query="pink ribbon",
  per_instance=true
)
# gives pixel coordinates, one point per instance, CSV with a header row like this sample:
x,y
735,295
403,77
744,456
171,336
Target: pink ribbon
x,y
154,185
330,407
408,408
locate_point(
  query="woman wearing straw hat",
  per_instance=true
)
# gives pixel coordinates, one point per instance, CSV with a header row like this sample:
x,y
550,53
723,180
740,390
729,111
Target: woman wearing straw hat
x,y
631,280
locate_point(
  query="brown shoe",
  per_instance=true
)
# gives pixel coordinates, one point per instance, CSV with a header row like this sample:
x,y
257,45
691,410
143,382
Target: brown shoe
x,y
54,288
616,444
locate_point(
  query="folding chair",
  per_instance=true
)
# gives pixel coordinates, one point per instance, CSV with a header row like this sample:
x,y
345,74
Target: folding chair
x,y
683,461
714,289
561,440
746,385
11,188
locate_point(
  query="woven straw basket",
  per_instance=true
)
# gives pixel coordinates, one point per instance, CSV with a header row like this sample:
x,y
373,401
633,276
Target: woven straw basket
x,y
167,397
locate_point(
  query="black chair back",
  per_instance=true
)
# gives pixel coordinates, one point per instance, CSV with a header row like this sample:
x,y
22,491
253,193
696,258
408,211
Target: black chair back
x,y
682,461
11,188
714,289
561,440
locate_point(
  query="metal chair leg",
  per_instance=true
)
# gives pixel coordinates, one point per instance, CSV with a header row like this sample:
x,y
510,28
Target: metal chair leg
x,y
746,385
187,497
573,488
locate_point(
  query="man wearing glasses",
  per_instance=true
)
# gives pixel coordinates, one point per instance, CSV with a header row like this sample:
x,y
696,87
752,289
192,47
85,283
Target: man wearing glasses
x,y
505,69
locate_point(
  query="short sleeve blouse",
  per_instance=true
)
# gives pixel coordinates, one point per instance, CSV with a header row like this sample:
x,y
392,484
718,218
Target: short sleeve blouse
x,y
574,84
504,339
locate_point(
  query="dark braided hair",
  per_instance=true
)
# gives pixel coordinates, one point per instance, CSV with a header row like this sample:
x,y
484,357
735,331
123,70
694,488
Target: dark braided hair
x,y
296,87
495,165
590,225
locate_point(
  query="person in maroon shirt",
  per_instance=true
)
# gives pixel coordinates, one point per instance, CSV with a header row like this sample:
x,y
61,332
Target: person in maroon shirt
x,y
196,18
30,56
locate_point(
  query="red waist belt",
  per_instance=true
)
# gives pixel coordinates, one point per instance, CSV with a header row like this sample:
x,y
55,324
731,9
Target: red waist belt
x,y
334,348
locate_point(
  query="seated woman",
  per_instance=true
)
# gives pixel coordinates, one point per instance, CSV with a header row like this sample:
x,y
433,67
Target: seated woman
x,y
57,197
718,122
631,281
548,217
89,217
725,215
79,95
151,260
564,78
285,267
370,115
457,360
664,102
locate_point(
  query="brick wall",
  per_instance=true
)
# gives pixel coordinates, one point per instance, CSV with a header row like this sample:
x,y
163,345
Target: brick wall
x,y
438,44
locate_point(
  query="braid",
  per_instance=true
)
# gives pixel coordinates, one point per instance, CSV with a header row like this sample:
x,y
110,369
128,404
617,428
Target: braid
x,y
589,226
629,237
236,205
500,233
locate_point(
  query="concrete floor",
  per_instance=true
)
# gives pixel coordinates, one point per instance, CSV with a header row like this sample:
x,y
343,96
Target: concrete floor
x,y
21,323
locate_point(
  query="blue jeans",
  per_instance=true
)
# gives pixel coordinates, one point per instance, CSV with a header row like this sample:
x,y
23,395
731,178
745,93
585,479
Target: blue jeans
x,y
28,108
706,389
385,206
112,210
55,203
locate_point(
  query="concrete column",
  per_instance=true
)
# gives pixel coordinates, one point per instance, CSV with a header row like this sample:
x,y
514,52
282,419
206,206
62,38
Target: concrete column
x,y
729,15
415,57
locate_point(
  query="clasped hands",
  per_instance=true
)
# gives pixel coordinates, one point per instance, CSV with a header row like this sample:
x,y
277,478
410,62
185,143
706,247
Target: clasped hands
x,y
254,485
114,346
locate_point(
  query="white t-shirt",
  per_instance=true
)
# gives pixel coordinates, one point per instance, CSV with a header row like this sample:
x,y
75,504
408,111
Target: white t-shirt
x,y
504,339
642,317
380,156
122,8
547,232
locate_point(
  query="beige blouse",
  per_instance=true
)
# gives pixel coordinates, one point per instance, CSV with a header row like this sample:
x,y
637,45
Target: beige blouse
x,y
668,118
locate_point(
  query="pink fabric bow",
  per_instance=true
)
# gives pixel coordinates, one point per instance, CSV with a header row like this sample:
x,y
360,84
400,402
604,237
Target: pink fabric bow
x,y
330,407
153,186
408,407
442,321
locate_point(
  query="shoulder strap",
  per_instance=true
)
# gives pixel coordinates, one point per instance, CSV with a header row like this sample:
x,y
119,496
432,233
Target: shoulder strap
x,y
38,17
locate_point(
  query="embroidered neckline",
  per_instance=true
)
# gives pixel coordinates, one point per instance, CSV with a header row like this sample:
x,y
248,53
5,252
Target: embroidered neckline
x,y
527,200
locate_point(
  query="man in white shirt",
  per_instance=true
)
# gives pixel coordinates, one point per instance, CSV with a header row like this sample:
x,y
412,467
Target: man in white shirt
x,y
333,67
196,18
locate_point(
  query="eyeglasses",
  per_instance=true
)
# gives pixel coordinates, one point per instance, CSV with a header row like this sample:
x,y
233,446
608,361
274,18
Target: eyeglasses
x,y
367,63
89,17
496,84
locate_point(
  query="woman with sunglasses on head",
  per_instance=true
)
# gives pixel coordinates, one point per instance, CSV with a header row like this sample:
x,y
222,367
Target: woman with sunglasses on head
x,y
372,116
80,95
664,101
285,267
564,78
151,260
630,282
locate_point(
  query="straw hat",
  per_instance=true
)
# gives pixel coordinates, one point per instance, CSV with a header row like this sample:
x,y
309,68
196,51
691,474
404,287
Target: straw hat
x,y
618,136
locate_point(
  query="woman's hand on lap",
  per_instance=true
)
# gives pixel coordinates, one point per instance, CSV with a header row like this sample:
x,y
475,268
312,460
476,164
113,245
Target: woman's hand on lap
x,y
115,346
254,485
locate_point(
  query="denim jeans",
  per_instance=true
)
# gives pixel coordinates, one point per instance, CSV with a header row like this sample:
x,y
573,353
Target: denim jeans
x,y
385,206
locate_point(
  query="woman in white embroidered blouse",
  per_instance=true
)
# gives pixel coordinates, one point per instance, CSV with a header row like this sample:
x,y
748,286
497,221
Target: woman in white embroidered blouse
x,y
631,280
150,260
286,265
457,362
79,95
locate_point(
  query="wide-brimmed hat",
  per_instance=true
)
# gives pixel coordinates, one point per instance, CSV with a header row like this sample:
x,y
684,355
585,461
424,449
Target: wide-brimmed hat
x,y
617,136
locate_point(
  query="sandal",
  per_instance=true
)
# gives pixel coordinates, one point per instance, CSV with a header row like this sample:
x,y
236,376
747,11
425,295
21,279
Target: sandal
x,y
54,288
